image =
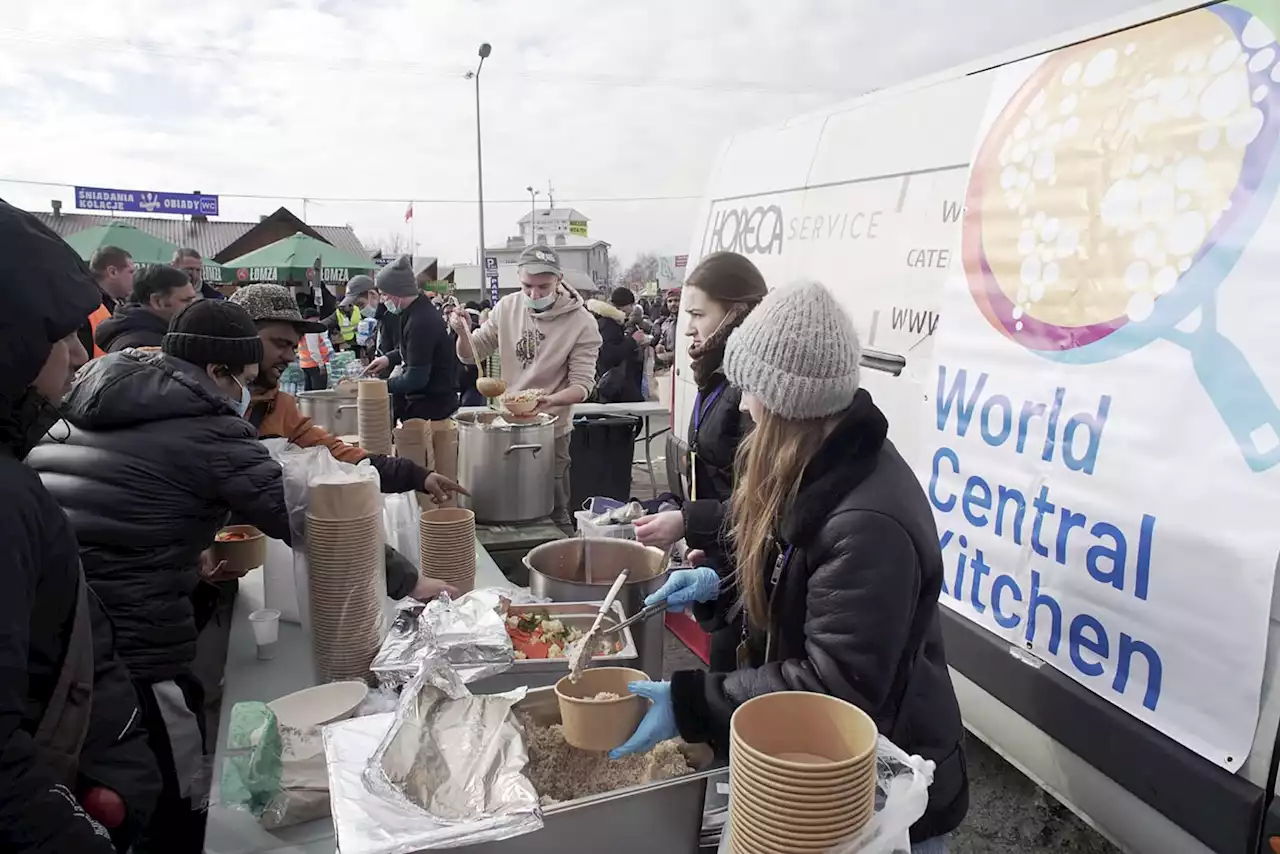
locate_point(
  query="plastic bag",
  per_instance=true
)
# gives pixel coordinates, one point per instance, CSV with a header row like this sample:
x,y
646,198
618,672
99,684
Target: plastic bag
x,y
400,514
902,793
275,772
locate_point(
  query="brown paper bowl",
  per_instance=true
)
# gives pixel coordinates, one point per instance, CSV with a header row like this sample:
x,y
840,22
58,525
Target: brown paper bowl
x,y
761,767
519,407
448,517
797,796
805,815
371,389
787,839
600,724
241,555
776,724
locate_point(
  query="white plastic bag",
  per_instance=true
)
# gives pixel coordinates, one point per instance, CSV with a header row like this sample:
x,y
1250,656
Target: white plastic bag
x,y
902,793
400,514
301,466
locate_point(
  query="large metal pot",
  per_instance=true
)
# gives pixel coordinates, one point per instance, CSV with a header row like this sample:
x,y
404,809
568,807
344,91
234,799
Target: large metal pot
x,y
508,468
332,409
581,570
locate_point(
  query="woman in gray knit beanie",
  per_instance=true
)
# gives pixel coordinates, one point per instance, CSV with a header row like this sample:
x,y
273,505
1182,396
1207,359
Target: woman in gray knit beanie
x,y
837,562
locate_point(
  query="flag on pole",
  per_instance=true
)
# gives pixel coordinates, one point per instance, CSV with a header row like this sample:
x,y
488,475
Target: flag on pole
x,y
408,212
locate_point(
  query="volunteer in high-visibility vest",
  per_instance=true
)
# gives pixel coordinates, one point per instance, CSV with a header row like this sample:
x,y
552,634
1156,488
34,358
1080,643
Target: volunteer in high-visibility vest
x,y
344,323
113,270
313,356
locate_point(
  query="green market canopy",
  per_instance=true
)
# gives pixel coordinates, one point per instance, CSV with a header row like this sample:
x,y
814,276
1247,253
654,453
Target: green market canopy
x,y
145,249
292,260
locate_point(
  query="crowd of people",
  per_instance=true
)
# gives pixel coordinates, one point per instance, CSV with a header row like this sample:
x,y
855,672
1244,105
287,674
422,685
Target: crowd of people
x,y
131,409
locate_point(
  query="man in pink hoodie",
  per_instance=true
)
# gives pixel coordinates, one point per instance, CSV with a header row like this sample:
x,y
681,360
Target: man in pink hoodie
x,y
546,340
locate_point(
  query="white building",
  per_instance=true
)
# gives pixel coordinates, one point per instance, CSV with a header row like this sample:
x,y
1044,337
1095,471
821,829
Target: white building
x,y
546,225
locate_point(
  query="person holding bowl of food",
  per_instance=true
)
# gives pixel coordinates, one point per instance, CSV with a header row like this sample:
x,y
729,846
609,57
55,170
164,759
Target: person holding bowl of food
x,y
546,340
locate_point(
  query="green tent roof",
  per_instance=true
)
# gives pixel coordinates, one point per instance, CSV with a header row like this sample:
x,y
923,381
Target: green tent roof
x,y
145,249
289,259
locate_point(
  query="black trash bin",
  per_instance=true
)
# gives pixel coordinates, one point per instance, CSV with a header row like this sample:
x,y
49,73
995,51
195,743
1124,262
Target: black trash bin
x,y
600,453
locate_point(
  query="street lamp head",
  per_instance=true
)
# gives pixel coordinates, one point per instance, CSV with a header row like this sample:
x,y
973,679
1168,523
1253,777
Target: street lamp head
x,y
485,50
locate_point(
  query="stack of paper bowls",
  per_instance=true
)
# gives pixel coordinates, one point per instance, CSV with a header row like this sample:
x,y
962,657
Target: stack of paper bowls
x,y
344,564
373,416
447,546
802,771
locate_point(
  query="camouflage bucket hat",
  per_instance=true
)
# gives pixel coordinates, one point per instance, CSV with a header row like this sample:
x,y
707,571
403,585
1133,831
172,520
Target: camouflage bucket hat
x,y
266,303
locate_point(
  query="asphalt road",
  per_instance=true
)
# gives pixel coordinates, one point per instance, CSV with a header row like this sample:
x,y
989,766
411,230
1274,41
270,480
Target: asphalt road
x,y
1008,814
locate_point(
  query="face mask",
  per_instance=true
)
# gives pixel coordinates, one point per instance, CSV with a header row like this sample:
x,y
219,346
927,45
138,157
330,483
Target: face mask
x,y
242,405
392,307
541,304
368,311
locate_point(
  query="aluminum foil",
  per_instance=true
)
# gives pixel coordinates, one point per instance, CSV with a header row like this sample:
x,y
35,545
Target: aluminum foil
x,y
467,632
445,771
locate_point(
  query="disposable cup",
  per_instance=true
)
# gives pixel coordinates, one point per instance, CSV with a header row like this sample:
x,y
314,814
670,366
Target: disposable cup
x,y
266,631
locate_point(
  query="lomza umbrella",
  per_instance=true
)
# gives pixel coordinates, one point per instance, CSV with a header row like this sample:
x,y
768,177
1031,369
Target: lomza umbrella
x,y
292,259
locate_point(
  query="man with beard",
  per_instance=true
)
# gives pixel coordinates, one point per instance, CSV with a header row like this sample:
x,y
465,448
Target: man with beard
x,y
159,293
73,756
275,413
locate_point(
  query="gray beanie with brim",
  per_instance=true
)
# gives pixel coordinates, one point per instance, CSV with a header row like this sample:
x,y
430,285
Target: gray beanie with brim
x,y
797,353
397,279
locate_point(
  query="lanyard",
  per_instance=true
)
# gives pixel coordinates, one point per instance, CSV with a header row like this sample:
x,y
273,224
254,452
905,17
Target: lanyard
x,y
699,412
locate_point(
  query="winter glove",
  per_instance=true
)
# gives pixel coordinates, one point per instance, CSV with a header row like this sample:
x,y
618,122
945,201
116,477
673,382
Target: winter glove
x,y
686,586
658,724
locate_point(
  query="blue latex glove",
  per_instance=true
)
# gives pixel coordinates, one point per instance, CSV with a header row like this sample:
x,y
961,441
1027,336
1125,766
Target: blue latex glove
x,y
658,724
686,586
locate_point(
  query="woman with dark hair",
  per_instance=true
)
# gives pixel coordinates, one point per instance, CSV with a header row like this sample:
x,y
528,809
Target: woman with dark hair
x,y
718,295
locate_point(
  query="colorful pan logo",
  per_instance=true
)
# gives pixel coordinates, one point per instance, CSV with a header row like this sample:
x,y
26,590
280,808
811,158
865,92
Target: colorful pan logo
x,y
1118,189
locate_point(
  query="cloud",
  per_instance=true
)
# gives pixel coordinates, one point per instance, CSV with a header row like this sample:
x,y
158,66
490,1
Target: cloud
x,y
367,99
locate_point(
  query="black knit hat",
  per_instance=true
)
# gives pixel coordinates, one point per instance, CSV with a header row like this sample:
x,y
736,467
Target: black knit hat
x,y
622,297
213,332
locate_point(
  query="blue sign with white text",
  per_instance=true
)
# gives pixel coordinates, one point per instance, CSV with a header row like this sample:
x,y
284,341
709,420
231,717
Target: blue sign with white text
x,y
146,201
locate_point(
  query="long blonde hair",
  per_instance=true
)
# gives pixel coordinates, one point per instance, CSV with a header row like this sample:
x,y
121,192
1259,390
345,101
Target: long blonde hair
x,y
769,464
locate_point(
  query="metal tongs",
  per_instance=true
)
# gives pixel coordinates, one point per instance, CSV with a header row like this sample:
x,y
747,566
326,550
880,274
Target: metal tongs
x,y
639,616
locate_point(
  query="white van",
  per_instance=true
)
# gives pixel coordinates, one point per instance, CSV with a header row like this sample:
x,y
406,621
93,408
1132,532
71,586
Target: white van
x,y
1060,263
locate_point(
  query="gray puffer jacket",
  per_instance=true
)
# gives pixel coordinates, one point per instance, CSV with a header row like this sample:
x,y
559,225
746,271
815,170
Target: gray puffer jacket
x,y
148,465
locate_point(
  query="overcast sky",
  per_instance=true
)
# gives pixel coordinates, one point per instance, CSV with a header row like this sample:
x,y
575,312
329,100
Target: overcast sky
x,y
366,99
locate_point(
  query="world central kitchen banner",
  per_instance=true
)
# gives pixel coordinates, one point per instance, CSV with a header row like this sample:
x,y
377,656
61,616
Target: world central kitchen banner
x,y
1102,448
146,201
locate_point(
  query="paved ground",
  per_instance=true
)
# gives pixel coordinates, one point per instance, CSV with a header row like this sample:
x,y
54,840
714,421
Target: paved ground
x,y
1008,814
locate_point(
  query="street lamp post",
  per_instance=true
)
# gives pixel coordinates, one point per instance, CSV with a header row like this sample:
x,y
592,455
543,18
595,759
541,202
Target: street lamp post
x,y
533,214
485,50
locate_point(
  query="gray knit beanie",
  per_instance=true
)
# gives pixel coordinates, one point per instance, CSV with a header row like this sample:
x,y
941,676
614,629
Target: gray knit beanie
x,y
397,279
797,353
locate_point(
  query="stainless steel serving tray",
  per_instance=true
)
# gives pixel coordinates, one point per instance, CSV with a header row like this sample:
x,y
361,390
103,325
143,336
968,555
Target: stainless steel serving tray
x,y
544,672
665,816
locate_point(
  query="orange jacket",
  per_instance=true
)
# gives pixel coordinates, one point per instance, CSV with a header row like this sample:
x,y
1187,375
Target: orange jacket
x,y
100,314
314,350
283,418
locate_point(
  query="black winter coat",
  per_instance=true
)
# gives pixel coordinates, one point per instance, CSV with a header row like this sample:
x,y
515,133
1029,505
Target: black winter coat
x,y
132,325
716,428
427,387
855,612
42,576
151,460
620,365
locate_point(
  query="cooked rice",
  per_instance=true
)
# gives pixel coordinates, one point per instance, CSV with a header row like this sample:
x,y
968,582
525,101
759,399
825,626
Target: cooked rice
x,y
607,695
560,772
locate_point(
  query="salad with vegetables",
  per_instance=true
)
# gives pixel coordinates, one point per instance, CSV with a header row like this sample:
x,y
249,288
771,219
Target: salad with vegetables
x,y
537,635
